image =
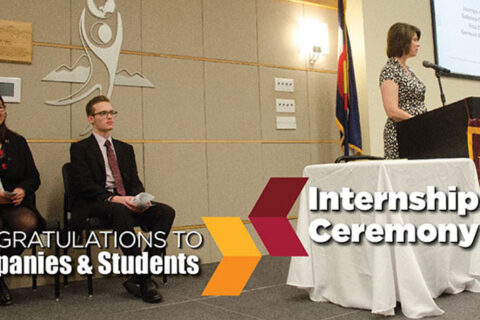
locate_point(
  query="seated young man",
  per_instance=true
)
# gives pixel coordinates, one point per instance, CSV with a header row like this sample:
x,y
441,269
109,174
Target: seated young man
x,y
105,180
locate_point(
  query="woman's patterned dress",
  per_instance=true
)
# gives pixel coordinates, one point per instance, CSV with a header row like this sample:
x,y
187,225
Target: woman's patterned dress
x,y
411,96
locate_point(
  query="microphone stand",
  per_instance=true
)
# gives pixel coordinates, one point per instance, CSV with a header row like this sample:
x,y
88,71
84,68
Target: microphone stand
x,y
442,96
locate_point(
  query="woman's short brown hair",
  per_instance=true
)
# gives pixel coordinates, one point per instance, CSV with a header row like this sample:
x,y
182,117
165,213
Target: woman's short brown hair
x,y
399,37
3,125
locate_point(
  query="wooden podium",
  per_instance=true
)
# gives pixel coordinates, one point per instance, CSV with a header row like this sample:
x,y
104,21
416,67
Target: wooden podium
x,y
441,133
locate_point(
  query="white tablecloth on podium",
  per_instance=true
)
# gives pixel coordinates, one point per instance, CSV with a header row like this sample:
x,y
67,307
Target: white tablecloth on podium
x,y
375,277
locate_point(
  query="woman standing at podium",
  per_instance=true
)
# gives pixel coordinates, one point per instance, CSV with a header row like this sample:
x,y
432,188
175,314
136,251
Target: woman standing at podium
x,y
403,94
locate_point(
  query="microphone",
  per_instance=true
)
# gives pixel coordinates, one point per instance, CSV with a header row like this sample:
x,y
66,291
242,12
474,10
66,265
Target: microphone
x,y
436,67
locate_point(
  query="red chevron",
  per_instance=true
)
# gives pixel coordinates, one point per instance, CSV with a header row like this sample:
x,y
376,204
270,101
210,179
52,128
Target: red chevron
x,y
269,216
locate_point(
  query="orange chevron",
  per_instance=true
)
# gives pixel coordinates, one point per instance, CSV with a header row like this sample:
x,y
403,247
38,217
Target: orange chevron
x,y
240,256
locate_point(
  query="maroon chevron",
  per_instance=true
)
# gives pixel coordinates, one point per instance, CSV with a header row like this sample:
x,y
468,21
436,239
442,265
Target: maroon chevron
x,y
269,216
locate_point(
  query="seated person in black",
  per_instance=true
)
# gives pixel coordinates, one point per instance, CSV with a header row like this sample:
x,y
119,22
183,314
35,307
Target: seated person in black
x,y
20,180
105,180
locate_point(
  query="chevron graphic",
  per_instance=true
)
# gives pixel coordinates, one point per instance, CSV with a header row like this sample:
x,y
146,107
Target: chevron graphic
x,y
269,216
240,256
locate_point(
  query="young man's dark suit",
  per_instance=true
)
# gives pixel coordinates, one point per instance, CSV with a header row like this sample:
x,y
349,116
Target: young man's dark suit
x,y
91,197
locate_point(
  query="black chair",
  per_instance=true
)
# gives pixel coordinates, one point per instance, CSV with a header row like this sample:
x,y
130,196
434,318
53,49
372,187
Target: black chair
x,y
91,224
357,157
67,209
51,226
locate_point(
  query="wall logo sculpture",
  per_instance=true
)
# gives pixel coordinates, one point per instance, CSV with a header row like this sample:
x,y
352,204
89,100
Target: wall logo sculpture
x,y
101,33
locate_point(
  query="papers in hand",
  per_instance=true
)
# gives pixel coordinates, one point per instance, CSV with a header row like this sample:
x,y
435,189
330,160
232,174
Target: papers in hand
x,y
141,199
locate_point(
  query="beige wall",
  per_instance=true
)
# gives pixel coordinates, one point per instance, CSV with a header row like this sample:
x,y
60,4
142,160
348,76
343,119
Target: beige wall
x,y
205,136
373,18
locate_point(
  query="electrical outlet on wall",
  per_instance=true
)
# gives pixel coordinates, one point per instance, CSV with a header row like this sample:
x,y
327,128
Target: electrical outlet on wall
x,y
285,105
284,85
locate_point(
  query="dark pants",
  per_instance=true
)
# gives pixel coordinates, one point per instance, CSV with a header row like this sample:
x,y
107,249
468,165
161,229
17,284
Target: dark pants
x,y
158,217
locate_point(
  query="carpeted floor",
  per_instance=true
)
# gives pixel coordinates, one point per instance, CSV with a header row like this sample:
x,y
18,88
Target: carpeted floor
x,y
266,296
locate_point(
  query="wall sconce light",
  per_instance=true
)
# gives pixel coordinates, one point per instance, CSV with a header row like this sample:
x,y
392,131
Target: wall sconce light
x,y
312,39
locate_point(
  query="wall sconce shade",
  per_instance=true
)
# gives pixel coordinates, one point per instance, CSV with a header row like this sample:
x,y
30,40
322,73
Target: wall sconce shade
x,y
312,39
